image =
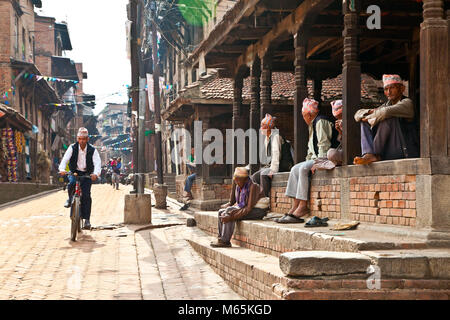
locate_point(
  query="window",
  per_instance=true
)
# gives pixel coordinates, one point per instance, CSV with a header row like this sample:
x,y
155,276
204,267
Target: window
x,y
16,40
23,44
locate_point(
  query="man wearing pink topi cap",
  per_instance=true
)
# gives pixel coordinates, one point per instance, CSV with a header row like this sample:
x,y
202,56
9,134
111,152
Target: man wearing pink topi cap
x,y
388,132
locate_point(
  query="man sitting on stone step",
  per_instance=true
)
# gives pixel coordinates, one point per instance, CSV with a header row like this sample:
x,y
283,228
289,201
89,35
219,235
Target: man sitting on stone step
x,y
388,132
246,207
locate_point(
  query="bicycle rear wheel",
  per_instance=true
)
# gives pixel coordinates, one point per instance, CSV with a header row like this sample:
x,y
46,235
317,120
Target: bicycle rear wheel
x,y
75,216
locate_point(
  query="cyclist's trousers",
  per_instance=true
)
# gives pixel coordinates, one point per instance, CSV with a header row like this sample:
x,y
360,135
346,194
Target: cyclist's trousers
x,y
86,200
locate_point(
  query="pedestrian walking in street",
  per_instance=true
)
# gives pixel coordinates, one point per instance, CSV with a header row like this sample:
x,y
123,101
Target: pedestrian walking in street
x,y
116,166
83,159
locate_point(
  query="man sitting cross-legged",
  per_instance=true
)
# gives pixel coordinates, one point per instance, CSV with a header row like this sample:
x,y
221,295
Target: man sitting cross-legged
x,y
388,132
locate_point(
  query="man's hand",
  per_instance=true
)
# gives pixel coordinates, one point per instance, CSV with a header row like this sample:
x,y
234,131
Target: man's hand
x,y
270,174
313,169
226,205
225,219
94,177
338,126
62,173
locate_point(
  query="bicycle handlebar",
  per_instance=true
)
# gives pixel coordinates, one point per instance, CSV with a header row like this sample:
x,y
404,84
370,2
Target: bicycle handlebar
x,y
79,176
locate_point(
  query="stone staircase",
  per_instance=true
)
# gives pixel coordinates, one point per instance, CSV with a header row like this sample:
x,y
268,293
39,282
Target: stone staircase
x,y
273,261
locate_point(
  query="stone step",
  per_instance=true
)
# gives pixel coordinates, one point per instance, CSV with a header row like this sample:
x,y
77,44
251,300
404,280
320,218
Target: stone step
x,y
267,236
255,275
250,274
416,264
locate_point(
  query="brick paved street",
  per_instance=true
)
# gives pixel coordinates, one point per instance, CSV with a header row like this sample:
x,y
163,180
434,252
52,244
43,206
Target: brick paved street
x,y
38,260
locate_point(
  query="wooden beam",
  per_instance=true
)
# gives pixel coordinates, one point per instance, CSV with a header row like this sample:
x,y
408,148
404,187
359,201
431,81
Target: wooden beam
x,y
325,44
289,24
241,10
230,49
279,5
249,33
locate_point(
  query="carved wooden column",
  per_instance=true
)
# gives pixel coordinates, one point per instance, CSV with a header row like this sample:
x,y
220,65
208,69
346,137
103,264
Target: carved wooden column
x,y
433,80
255,113
448,83
237,121
206,123
301,92
266,84
351,91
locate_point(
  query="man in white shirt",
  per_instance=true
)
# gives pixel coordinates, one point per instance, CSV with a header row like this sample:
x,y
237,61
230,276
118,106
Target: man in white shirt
x,y
272,144
83,159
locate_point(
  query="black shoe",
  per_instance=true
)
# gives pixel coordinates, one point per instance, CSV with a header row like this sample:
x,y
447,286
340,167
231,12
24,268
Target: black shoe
x,y
67,204
87,225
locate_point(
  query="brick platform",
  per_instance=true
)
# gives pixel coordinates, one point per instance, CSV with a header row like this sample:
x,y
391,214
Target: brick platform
x,y
257,276
398,192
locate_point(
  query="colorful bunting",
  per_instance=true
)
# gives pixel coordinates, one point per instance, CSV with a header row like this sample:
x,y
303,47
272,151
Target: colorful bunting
x,y
47,78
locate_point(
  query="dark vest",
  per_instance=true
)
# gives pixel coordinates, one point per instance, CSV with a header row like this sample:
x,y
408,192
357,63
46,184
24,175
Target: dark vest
x,y
89,162
334,138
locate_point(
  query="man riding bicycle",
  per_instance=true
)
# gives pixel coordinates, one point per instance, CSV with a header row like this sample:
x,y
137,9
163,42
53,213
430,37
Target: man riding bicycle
x,y
83,159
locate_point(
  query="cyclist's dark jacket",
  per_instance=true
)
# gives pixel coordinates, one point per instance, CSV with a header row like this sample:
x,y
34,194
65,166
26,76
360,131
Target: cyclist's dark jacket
x,y
74,159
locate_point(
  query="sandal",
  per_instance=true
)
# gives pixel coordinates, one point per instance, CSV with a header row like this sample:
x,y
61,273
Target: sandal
x,y
278,219
316,222
290,218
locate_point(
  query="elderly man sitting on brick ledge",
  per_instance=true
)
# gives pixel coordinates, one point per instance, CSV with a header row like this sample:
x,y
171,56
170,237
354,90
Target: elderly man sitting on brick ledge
x,y
246,207
388,132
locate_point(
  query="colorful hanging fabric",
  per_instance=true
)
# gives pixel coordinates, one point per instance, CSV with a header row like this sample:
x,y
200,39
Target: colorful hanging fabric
x,y
11,153
20,141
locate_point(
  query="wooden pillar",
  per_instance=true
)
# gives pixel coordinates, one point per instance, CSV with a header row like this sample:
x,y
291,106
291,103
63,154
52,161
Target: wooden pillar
x,y
301,92
266,84
448,83
206,122
237,121
433,80
317,86
351,91
255,112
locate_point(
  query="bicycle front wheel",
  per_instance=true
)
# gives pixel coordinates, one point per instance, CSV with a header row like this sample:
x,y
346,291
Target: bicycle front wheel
x,y
75,216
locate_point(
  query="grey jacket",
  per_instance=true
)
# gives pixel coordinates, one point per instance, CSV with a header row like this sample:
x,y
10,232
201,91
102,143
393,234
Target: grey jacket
x,y
402,109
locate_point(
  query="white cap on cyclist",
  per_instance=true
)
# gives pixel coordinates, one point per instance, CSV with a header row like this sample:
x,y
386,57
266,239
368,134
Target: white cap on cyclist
x,y
83,132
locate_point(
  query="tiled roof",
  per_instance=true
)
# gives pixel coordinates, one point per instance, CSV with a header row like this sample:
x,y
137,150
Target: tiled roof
x,y
283,88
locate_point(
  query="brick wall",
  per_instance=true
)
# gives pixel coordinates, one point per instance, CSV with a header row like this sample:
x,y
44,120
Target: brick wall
x,y
202,191
385,199
377,199
326,198
5,45
45,43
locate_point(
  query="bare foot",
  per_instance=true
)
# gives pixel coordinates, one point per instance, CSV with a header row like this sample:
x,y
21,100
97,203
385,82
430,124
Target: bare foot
x,y
301,211
366,159
292,210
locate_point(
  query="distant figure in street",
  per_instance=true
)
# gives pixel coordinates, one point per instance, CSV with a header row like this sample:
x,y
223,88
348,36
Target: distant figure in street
x,y
190,179
116,166
103,175
83,159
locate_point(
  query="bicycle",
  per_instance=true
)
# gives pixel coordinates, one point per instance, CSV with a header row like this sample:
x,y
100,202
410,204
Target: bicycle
x,y
75,207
